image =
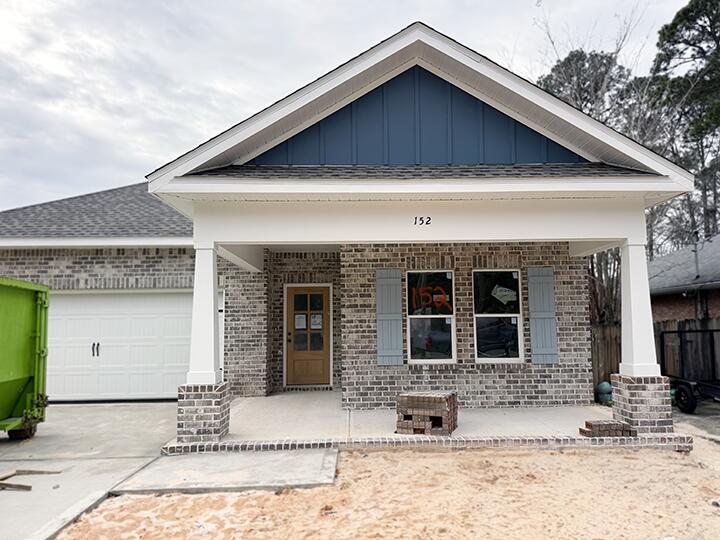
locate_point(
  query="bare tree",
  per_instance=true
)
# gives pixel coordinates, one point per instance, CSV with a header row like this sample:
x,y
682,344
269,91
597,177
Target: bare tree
x,y
596,82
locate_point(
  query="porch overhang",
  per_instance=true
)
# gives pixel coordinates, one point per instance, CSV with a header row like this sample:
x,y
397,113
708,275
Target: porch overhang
x,y
601,221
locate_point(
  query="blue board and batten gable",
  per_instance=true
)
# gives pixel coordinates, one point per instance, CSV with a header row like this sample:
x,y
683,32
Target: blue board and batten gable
x,y
417,118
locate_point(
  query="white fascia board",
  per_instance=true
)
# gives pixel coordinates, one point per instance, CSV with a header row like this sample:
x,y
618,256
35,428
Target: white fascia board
x,y
556,106
99,242
183,187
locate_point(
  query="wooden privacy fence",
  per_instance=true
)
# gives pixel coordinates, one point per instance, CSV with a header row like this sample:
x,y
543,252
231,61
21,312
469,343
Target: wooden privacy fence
x,y
689,349
605,351
690,338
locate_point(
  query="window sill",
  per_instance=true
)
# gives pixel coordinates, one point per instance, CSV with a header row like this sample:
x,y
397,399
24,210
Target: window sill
x,y
442,362
499,361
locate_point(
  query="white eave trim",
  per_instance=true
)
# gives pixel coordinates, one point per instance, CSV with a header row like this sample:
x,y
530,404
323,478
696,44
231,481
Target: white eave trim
x,y
98,242
237,186
417,32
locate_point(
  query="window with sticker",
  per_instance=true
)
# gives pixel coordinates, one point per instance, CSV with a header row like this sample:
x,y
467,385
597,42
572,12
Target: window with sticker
x,y
431,316
498,316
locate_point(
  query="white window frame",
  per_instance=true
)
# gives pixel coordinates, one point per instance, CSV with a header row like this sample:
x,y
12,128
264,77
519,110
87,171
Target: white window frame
x,y
452,360
521,320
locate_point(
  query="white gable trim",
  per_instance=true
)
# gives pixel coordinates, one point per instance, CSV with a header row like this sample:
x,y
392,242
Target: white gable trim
x,y
418,43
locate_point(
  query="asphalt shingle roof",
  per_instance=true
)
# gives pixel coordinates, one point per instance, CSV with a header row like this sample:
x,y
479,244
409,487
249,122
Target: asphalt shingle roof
x,y
676,271
128,211
368,172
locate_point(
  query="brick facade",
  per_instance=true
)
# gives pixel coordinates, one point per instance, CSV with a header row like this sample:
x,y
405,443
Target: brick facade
x,y
695,304
369,385
254,315
104,268
246,329
643,402
203,412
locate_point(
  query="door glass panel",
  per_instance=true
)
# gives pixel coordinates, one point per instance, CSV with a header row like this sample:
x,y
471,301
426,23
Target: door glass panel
x,y
300,321
316,302
316,342
316,321
300,341
301,302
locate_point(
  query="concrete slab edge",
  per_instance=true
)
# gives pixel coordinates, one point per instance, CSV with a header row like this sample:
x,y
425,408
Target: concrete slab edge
x,y
670,441
55,526
218,489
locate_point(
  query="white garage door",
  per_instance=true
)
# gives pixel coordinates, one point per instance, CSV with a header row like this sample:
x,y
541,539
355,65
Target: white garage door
x,y
118,345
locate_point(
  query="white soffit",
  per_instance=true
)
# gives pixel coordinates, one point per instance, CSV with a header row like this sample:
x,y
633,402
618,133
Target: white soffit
x,y
420,45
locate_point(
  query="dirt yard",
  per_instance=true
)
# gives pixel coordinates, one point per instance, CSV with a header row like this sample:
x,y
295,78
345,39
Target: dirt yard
x,y
440,494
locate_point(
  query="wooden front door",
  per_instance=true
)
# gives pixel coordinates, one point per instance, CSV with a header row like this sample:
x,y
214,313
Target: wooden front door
x,y
308,335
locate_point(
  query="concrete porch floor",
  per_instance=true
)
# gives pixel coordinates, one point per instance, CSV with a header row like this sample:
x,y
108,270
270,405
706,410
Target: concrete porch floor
x,y
319,415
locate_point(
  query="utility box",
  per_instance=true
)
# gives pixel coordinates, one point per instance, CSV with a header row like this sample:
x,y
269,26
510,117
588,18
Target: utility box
x,y
23,356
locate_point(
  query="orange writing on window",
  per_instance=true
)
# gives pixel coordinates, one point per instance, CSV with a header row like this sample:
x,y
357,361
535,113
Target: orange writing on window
x,y
430,296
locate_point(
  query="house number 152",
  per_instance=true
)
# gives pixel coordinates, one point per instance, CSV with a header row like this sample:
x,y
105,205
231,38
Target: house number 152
x,y
422,220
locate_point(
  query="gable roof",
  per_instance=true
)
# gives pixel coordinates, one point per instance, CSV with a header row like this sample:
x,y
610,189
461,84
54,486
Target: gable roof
x,y
676,272
420,45
125,212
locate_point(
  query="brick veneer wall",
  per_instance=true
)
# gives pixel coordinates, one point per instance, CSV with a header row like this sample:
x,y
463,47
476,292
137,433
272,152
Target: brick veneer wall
x,y
285,268
246,329
203,412
643,402
105,268
696,304
367,385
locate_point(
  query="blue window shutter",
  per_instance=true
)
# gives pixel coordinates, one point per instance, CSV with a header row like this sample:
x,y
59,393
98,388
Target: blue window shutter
x,y
388,295
543,325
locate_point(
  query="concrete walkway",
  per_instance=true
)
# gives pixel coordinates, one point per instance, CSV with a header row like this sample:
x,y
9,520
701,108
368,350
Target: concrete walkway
x,y
93,446
202,473
319,415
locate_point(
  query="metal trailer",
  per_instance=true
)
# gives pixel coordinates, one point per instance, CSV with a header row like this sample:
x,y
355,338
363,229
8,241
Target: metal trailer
x,y
693,377
23,356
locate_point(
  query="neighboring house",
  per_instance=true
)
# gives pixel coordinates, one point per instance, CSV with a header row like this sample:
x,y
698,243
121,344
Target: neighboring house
x,y
416,219
683,286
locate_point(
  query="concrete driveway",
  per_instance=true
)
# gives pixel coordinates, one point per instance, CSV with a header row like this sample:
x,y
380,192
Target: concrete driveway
x,y
705,418
94,446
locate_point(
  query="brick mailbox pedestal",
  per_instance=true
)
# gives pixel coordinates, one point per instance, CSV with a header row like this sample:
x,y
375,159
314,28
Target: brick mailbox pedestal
x,y
427,413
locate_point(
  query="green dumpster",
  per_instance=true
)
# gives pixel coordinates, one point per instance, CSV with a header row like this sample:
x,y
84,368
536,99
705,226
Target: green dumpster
x,y
23,356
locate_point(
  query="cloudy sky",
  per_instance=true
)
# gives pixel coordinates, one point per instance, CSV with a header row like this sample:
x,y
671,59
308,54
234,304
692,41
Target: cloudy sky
x,y
95,94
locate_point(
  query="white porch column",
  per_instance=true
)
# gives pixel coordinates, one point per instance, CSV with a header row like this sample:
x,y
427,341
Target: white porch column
x,y
638,341
204,356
